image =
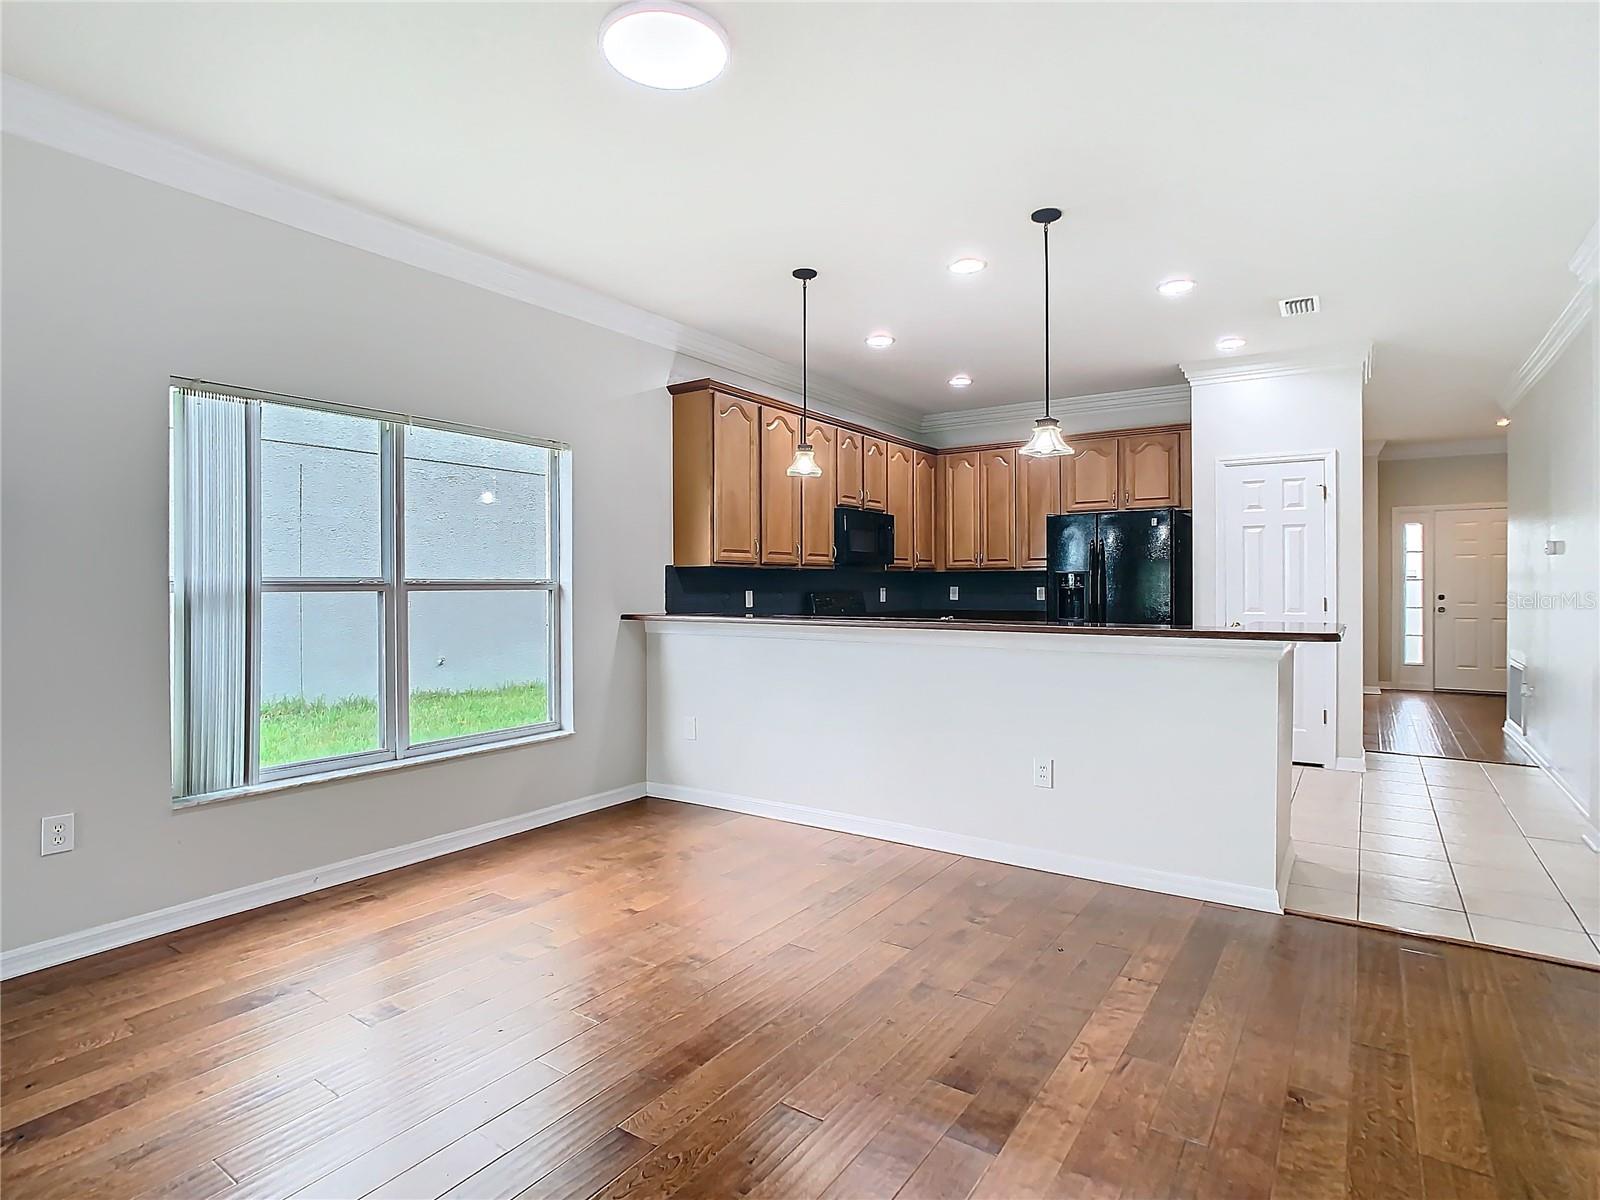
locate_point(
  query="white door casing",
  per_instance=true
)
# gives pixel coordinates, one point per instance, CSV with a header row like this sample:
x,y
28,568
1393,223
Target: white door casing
x,y
1469,599
1276,564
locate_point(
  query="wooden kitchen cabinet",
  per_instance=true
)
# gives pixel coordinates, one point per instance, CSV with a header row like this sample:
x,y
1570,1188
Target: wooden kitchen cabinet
x,y
1091,477
900,490
1149,470
848,491
874,472
998,508
924,545
780,491
716,495
962,496
816,497
1185,469
1039,482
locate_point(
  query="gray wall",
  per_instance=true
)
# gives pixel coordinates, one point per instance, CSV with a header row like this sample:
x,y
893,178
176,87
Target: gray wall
x,y
112,284
320,518
1552,618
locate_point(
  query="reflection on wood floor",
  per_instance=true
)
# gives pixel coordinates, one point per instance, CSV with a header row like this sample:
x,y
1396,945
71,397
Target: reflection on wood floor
x,y
1442,725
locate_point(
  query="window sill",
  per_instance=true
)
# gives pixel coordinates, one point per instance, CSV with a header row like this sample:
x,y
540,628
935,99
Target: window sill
x,y
343,773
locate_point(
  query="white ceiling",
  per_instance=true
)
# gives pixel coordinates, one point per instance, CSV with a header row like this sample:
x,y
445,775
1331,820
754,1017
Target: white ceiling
x,y
1427,169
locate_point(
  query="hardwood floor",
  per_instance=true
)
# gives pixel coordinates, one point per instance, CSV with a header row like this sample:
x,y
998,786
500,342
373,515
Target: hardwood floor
x,y
1462,725
665,1000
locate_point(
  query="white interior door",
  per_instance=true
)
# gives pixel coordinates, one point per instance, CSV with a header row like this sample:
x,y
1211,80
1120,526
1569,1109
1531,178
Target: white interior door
x,y
1274,531
1469,599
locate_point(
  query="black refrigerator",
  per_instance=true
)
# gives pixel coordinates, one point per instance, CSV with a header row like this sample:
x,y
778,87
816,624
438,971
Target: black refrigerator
x,y
1130,567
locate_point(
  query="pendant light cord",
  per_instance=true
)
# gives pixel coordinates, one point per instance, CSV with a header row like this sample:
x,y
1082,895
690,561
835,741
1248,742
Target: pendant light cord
x,y
805,343
1047,319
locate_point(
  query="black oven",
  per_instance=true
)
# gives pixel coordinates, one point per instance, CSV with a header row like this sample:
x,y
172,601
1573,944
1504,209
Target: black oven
x,y
862,538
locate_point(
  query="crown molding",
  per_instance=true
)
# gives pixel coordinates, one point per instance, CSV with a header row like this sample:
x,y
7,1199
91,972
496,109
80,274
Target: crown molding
x,y
1078,414
1583,264
1448,448
39,115
1357,355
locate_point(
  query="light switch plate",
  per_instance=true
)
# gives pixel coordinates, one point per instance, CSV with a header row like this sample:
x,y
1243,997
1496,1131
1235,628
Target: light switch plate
x,y
749,599
955,593
883,595
691,729
1038,593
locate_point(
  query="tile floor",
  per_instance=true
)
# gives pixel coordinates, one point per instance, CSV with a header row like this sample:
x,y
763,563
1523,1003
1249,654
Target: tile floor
x,y
1479,851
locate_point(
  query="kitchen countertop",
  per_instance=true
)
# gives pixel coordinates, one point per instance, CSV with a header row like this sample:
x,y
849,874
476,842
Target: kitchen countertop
x,y
1292,632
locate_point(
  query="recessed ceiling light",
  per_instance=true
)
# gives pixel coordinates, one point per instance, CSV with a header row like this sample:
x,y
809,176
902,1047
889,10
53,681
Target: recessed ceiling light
x,y
485,497
664,44
1503,422
880,341
1229,344
967,266
1175,287
961,381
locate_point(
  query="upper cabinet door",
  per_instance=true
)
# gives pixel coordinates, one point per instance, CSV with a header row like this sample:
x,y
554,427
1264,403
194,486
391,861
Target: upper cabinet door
x,y
735,480
874,473
1185,469
780,491
816,498
999,508
923,545
961,501
1038,495
1091,477
849,490
902,501
1149,470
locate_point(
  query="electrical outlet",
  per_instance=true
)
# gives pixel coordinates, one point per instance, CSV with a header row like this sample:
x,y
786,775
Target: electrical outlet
x,y
749,599
883,595
57,834
1044,772
1038,593
691,729
955,593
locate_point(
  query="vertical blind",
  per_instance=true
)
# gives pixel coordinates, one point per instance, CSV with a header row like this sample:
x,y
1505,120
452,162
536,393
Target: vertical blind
x,y
213,591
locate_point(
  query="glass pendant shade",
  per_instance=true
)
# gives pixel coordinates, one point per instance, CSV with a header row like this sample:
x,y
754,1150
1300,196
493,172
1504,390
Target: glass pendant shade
x,y
805,462
1046,441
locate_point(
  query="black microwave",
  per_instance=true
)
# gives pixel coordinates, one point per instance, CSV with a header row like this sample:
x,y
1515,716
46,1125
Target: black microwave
x,y
862,538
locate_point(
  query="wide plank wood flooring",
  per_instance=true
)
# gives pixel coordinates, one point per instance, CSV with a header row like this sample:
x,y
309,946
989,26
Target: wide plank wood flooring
x,y
665,1000
1464,725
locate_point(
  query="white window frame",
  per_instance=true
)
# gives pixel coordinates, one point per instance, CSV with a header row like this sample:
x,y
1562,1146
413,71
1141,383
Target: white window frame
x,y
393,590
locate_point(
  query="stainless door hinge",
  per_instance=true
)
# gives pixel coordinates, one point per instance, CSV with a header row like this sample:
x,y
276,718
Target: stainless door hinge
x,y
1324,488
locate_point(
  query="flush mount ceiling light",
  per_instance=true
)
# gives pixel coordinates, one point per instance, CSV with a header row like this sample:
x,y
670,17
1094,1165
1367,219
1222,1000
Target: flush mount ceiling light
x,y
880,341
1229,344
1175,287
1046,441
1503,422
485,497
664,44
967,266
805,458
960,381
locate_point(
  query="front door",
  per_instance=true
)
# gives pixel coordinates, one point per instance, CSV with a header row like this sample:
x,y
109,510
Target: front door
x,y
1275,526
1469,599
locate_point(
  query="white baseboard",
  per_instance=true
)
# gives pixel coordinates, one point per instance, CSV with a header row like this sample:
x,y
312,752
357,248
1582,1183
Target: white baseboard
x,y
1520,740
1372,691
1264,899
1351,764
71,946
1285,869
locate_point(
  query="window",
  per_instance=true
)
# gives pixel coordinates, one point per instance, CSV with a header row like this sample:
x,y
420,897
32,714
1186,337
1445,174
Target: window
x,y
1412,603
354,588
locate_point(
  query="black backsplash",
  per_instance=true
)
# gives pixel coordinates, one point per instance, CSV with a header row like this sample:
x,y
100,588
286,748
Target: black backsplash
x,y
782,591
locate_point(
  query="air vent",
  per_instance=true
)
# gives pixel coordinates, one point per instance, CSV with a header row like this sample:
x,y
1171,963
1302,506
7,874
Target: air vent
x,y
1300,306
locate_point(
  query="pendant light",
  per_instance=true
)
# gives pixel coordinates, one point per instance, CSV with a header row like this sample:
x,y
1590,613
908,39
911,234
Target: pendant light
x,y
805,459
1046,441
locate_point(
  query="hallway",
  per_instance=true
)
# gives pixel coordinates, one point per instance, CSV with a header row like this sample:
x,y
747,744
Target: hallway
x,y
1464,725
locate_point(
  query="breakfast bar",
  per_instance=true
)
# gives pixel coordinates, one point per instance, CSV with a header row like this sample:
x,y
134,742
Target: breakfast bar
x,y
1121,754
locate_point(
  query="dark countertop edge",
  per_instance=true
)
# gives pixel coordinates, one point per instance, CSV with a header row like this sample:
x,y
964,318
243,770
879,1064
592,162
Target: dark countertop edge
x,y
1203,633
